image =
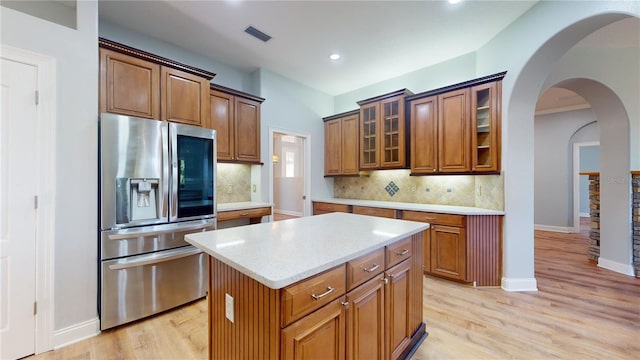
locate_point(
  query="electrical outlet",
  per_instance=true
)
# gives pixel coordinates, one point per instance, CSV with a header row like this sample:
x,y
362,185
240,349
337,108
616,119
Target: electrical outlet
x,y
479,190
413,188
229,189
228,307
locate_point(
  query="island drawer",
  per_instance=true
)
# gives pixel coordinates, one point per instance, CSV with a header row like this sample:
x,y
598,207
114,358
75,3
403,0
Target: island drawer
x,y
373,211
244,214
308,295
323,208
434,218
397,252
364,268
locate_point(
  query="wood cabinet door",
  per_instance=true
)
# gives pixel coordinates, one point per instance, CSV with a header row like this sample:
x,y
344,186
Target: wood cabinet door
x,y
185,97
454,135
319,335
221,120
247,130
392,133
485,127
424,135
333,147
349,147
369,136
128,85
365,321
398,302
448,252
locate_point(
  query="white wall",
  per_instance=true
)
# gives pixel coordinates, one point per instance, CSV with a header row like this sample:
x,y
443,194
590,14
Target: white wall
x,y
550,30
76,209
450,72
298,109
225,75
553,171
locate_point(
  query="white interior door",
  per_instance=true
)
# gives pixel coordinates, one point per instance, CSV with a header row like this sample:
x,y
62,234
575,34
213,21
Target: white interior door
x,y
18,190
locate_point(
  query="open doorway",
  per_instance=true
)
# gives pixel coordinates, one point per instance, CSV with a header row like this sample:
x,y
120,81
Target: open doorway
x,y
290,179
586,158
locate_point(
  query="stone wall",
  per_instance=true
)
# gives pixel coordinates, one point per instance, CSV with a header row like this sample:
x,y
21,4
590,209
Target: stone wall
x,y
635,211
594,215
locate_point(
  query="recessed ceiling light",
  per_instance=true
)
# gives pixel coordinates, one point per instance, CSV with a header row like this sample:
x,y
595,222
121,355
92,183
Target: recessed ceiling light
x,y
454,1
334,57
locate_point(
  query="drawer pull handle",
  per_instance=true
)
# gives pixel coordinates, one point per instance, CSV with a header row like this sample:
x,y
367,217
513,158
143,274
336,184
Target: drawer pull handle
x,y
318,297
373,268
403,252
244,214
429,218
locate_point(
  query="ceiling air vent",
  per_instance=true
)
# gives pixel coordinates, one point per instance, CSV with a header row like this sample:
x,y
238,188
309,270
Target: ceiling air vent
x,y
257,33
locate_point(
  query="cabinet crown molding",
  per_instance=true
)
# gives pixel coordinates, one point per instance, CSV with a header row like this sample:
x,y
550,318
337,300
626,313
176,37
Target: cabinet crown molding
x,y
458,86
128,50
343,114
401,92
235,92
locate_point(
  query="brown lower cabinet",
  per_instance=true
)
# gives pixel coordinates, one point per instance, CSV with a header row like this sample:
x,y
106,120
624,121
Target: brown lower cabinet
x,y
367,308
463,248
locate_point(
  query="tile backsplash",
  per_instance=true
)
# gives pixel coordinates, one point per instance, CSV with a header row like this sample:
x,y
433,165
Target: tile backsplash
x,y
233,182
484,191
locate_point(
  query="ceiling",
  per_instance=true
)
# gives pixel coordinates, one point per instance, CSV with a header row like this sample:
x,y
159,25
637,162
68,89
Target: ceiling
x,y
378,40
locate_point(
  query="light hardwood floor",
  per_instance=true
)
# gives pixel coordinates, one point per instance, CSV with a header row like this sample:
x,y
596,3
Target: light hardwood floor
x,y
581,311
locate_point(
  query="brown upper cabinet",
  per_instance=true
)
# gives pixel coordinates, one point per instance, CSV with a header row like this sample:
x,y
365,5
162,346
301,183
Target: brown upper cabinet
x,y
456,129
235,116
382,131
341,144
136,83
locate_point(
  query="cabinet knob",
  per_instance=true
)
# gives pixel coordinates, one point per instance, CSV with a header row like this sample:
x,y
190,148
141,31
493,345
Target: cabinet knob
x,y
385,280
345,304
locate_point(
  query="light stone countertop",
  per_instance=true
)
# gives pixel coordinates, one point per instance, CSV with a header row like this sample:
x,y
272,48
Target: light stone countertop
x,y
278,254
445,209
243,205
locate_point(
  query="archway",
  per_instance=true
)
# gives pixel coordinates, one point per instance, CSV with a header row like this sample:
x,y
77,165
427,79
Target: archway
x,y
519,110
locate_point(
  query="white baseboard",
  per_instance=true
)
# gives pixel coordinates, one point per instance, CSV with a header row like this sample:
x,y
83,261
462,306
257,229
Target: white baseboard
x,y
519,284
621,268
288,212
585,215
75,333
561,229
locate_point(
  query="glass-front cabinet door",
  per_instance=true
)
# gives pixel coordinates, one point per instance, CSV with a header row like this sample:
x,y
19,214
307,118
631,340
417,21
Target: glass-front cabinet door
x,y
485,151
369,156
393,139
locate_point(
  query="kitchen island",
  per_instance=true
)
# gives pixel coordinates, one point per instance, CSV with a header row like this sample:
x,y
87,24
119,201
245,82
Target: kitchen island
x,y
331,286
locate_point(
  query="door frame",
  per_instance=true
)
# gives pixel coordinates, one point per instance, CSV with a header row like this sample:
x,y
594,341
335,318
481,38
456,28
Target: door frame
x,y
45,218
306,138
576,181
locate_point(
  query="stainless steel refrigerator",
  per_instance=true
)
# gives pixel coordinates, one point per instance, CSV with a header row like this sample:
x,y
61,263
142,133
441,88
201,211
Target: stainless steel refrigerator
x,y
157,183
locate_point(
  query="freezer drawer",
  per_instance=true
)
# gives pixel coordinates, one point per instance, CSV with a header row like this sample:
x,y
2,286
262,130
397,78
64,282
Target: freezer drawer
x,y
138,286
147,239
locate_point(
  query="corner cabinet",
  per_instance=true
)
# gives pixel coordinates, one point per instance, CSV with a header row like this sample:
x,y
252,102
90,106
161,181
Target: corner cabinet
x,y
137,83
235,116
456,129
382,131
341,144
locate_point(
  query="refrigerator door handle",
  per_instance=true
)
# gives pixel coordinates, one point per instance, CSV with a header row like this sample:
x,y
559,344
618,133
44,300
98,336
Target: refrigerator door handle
x,y
131,234
154,259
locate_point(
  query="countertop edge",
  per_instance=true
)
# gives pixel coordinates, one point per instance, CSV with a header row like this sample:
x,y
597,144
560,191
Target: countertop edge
x,y
445,209
242,205
284,281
